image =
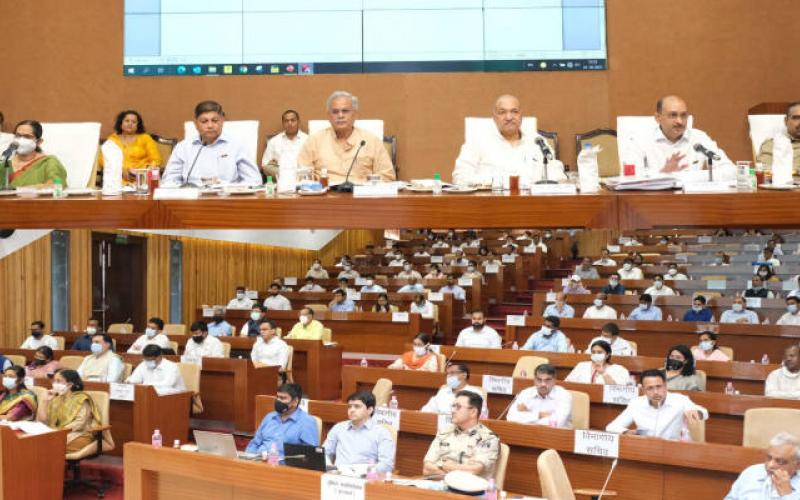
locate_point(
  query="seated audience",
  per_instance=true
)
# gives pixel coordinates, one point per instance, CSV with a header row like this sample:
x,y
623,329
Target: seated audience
x,y
422,306
275,301
605,259
311,286
619,346
757,289
545,403
472,272
791,316
434,273
38,338
575,285
288,423
738,313
420,358
383,305
67,406
269,349
340,302
29,166
218,327
586,271
549,338
784,383
456,377
241,301
559,308
600,370
452,287
646,311
316,271
257,315
43,365
84,342
777,477
307,328
479,335
629,272
163,374
614,287
699,312
599,309
673,273
201,345
707,348
658,287
16,401
371,286
348,272
103,365
413,286
408,273
283,148
681,374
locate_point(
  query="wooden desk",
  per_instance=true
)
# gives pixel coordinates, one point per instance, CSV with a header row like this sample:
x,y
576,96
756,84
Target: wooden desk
x,y
749,342
32,466
648,468
153,474
684,287
414,389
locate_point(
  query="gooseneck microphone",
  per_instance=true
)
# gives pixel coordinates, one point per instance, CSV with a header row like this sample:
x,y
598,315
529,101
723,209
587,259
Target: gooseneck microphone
x,y
347,186
194,162
710,156
547,156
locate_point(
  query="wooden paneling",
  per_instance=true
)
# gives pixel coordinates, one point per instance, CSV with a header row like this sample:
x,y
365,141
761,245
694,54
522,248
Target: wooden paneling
x,y
80,277
24,291
158,276
349,242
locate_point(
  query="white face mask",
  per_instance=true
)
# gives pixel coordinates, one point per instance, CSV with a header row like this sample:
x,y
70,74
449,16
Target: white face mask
x,y
316,266
25,145
150,364
627,266
471,269
347,268
453,381
91,330
658,284
598,303
304,319
150,332
255,316
598,357
370,282
240,295
737,307
613,282
9,382
672,272
420,351
407,267
59,387
706,345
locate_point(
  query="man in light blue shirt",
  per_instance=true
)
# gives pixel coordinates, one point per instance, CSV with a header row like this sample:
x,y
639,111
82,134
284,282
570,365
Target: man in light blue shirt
x,y
212,154
360,440
218,327
549,338
560,308
738,313
646,310
341,303
287,424
413,286
452,287
371,286
777,477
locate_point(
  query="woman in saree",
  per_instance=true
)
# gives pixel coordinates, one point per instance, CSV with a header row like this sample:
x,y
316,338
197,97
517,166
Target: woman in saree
x,y
67,406
17,402
29,166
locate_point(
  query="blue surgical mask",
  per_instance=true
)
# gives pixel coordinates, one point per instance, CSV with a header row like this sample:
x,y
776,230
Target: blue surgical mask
x,y
150,332
792,308
96,348
707,345
453,381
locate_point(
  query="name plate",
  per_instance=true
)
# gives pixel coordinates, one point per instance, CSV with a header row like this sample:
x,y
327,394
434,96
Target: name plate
x,y
508,259
464,281
705,239
437,259
596,443
387,416
354,296
494,384
435,296
251,294
515,320
613,248
336,487
709,187
753,302
788,285
290,280
553,189
682,258
375,190
442,422
361,282
192,360
619,394
492,269
120,392
163,193
399,317
716,284
208,312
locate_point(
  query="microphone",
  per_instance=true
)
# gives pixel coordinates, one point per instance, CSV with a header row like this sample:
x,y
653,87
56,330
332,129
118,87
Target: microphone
x,y
706,152
500,417
347,186
547,156
9,151
608,478
189,173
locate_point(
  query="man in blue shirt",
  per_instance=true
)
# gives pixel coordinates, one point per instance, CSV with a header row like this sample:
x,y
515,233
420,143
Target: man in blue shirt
x,y
287,424
84,342
699,311
359,439
646,310
452,287
341,303
560,308
614,287
218,327
549,338
777,477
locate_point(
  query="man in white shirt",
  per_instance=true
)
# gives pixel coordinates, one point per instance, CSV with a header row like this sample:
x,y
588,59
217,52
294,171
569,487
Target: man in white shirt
x,y
240,301
201,345
268,349
777,477
629,272
371,286
38,338
784,382
283,148
456,381
102,365
605,259
599,309
413,286
452,287
162,374
311,286
668,148
610,334
504,151
153,335
674,274
658,413
658,288
275,301
348,272
738,313
408,272
479,335
545,403
586,271
791,316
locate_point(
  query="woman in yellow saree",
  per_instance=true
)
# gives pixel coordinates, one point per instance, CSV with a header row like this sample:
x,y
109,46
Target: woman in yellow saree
x,y
66,406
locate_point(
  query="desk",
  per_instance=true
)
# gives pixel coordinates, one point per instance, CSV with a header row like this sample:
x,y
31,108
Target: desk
x,y
648,468
32,466
414,389
152,474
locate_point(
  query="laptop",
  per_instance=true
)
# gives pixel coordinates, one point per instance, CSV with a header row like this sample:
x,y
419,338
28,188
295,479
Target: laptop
x,y
216,443
304,457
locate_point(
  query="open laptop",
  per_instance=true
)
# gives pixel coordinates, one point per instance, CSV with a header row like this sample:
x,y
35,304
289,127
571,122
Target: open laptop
x,y
304,457
216,443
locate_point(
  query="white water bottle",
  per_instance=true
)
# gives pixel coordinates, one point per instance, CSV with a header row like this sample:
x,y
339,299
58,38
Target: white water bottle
x,y
364,363
515,346
765,359
393,403
156,440
273,457
729,390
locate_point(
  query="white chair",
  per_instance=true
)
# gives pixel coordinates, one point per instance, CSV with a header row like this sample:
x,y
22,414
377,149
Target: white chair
x,y
374,127
475,128
630,128
76,146
763,127
245,132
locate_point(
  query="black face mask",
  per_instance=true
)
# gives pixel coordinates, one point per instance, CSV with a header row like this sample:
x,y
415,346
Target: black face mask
x,y
674,364
477,326
198,338
281,407
37,334
217,319
39,362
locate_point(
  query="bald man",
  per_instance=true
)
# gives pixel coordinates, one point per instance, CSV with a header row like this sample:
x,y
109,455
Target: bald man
x,y
505,151
668,148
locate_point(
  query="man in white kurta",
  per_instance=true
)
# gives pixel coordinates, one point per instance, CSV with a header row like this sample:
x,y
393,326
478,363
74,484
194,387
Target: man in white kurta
x,y
102,365
162,374
201,345
269,349
479,335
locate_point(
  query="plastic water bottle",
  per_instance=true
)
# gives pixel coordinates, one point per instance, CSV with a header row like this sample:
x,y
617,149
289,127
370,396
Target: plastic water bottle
x,y
685,435
765,359
515,346
364,363
729,390
669,317
372,471
156,440
176,444
269,188
393,403
484,413
273,457
58,188
437,184
491,490
621,316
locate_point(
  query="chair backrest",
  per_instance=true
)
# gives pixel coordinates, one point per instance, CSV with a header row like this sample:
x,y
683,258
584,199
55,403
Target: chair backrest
x,y
120,328
551,138
477,127
703,377
382,391
630,128
226,350
61,342
317,307
553,477
174,345
501,466
761,425
608,159
327,335
16,359
245,132
126,372
175,329
374,127
102,400
763,127
75,145
70,362
165,146
697,431
390,144
190,373
319,427
580,410
634,346
526,365
289,358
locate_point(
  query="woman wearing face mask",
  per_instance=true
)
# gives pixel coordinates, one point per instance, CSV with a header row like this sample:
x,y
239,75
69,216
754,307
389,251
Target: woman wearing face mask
x,y
66,406
43,364
765,273
707,349
680,370
16,402
139,150
600,370
383,304
420,358
316,271
29,166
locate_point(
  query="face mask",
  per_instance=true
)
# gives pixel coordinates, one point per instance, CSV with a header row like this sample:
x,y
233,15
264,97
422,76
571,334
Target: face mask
x,y
150,333
658,284
91,330
407,267
420,351
217,319
613,282
304,319
792,308
39,362
763,274
674,364
546,331
453,381
37,334
598,303
347,268
25,145
737,307
697,308
370,282
644,306
316,266
281,407
471,269
59,388
672,272
255,316
198,338
150,364
9,382
477,326
240,295
96,348
598,357
627,266
707,345
718,260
